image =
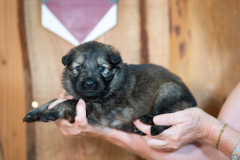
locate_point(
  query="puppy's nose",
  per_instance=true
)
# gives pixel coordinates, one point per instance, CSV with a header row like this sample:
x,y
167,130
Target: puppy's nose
x,y
89,84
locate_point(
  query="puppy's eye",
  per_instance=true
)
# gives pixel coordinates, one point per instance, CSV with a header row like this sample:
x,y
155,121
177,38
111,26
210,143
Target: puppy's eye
x,y
78,68
101,68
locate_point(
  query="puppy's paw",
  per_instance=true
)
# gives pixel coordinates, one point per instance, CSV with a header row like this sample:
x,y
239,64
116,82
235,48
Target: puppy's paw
x,y
157,129
147,119
32,116
137,131
65,110
50,115
36,113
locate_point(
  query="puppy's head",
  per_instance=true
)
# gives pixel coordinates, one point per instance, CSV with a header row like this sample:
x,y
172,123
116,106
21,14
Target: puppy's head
x,y
90,68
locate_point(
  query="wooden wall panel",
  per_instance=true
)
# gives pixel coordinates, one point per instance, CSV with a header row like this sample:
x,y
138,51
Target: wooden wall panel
x,y
128,31
45,52
126,35
198,40
157,25
204,48
180,48
12,99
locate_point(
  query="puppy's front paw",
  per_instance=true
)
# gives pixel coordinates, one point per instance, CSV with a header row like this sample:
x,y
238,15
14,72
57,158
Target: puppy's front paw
x,y
32,116
65,110
50,115
36,113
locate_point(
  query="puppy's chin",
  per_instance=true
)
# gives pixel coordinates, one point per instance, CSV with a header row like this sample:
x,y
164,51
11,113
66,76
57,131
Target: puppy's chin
x,y
91,95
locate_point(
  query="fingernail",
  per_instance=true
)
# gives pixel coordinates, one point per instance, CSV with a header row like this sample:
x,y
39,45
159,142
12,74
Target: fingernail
x,y
80,101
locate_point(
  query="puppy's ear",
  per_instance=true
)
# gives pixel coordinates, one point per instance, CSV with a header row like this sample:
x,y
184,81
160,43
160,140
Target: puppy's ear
x,y
114,55
67,58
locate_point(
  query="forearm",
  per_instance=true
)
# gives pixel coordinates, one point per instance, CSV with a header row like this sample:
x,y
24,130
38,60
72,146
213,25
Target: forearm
x,y
136,144
197,150
228,139
231,108
131,142
229,114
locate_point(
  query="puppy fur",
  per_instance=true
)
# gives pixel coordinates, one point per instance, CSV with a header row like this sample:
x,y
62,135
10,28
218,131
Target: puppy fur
x,y
115,93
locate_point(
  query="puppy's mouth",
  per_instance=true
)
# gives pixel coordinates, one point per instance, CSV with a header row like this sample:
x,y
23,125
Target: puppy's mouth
x,y
91,95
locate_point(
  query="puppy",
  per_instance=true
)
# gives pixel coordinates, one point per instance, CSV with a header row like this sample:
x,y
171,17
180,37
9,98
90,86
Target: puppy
x,y
115,93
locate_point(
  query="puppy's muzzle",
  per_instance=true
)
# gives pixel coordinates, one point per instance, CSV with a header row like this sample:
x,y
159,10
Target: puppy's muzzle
x,y
89,84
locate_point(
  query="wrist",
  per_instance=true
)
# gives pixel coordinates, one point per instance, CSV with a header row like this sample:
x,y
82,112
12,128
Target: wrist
x,y
212,131
204,123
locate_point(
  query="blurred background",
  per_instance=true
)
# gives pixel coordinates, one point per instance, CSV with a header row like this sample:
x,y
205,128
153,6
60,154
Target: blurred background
x,y
199,40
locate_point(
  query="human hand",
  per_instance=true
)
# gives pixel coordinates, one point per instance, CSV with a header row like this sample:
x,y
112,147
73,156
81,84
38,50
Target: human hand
x,y
188,125
142,145
81,125
131,142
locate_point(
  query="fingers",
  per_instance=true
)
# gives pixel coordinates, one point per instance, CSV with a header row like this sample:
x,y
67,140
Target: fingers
x,y
146,129
81,125
64,123
80,119
69,97
156,143
64,96
55,103
162,145
62,127
142,127
183,125
166,133
169,119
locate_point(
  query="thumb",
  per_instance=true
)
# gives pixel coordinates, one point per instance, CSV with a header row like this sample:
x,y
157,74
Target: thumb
x,y
169,119
81,111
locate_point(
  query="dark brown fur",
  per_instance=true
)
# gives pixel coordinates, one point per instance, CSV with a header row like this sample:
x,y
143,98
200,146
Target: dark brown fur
x,y
118,95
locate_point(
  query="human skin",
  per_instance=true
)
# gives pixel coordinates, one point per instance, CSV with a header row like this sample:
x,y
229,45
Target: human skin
x,y
189,126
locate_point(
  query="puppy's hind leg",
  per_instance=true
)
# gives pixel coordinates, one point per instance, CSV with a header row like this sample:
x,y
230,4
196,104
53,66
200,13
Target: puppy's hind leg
x,y
129,128
147,119
172,97
36,113
155,129
137,131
